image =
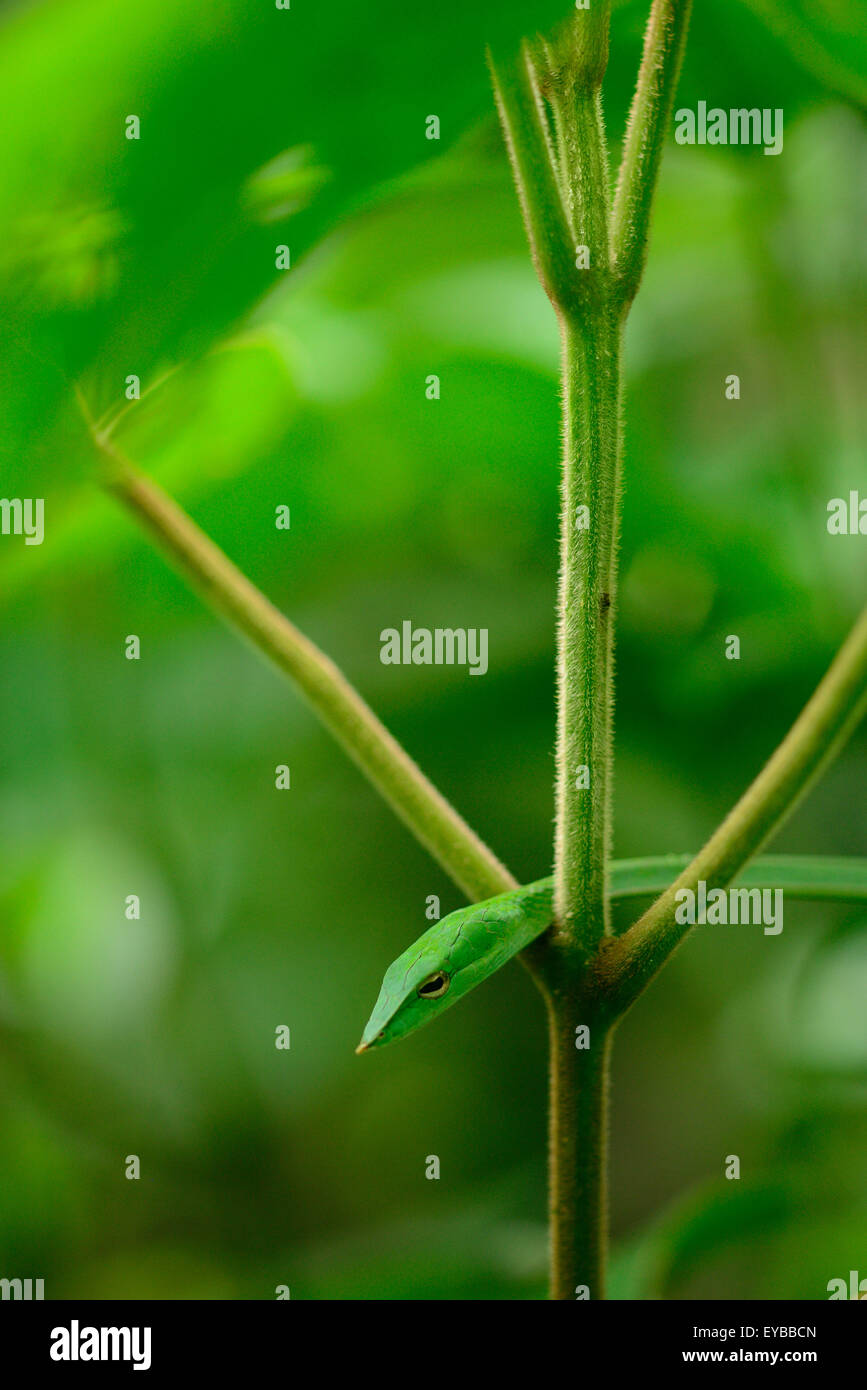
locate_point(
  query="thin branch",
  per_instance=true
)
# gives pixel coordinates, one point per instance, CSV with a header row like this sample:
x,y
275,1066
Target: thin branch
x,y
575,66
228,592
627,964
649,116
537,179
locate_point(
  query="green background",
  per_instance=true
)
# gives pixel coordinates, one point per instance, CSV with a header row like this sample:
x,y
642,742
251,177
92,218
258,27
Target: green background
x,y
306,388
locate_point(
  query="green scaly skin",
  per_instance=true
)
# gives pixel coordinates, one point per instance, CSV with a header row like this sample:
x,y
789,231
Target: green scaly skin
x,y
458,953
462,950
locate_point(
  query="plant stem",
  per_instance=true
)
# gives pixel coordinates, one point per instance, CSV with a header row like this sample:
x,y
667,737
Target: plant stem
x,y
578,1144
435,823
575,73
525,131
560,168
627,965
647,127
591,427
591,354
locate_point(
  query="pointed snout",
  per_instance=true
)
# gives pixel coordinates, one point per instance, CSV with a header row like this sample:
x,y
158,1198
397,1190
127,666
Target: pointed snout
x,y
377,1025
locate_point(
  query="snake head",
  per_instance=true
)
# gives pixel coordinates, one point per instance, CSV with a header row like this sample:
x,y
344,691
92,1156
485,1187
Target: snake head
x,y
450,958
416,988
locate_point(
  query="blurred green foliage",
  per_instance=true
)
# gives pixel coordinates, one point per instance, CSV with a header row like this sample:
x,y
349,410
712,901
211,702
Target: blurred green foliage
x,y
306,388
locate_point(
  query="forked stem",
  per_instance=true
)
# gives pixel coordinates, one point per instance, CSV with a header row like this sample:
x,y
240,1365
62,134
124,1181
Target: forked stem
x,y
559,160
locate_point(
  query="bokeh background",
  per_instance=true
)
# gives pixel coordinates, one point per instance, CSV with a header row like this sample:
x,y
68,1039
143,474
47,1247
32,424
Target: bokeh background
x,y
306,388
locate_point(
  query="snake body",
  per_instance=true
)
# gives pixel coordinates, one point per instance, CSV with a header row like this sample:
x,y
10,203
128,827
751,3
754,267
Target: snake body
x,y
459,952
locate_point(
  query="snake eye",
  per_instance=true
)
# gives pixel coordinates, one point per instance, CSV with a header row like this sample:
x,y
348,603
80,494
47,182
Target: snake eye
x,y
435,986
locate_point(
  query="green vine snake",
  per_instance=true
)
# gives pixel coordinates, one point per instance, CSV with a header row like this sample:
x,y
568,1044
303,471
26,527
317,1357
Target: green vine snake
x,y
464,948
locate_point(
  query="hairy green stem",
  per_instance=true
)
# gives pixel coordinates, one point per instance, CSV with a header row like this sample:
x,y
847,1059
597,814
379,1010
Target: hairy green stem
x,y
578,1145
569,156
647,127
627,964
540,193
575,70
559,160
435,823
588,538
591,355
